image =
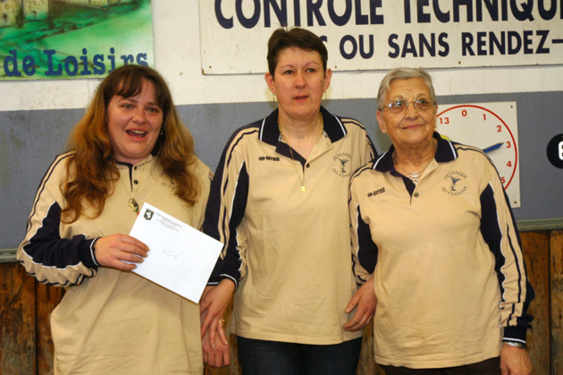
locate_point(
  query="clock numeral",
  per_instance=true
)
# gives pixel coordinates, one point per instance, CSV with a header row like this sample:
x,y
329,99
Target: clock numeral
x,y
493,131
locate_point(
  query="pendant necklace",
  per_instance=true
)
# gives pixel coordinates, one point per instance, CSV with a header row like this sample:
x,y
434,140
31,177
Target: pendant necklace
x,y
301,180
132,202
414,176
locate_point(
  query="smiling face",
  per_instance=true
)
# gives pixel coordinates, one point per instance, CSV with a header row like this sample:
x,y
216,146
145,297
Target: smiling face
x,y
411,128
134,124
299,82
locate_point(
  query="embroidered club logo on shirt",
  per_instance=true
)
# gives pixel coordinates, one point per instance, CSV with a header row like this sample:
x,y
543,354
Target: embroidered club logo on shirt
x,y
455,184
342,166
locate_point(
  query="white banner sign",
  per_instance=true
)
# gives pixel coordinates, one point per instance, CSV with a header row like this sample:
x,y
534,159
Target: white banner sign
x,y
384,34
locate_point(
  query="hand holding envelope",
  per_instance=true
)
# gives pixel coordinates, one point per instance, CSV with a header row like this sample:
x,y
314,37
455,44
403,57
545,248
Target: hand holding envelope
x,y
181,258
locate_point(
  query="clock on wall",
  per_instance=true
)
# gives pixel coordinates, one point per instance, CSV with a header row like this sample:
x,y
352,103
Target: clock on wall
x,y
493,128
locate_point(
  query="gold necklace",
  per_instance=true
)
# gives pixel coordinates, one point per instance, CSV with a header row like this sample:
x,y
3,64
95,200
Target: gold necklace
x,y
132,202
301,180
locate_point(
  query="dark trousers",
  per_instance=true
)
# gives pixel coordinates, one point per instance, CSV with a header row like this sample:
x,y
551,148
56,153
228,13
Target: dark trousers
x,y
259,357
487,367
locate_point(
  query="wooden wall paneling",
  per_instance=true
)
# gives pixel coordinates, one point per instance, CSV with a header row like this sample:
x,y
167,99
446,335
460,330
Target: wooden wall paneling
x,y
536,253
25,306
367,365
17,321
46,299
235,365
556,246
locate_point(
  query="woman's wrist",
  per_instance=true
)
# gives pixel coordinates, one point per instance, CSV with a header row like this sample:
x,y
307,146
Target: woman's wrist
x,y
516,344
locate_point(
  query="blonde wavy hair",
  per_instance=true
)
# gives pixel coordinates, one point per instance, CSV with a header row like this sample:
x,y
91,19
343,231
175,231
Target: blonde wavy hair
x,y
91,169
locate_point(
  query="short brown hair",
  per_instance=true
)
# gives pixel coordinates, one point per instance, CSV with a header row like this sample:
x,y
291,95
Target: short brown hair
x,y
297,37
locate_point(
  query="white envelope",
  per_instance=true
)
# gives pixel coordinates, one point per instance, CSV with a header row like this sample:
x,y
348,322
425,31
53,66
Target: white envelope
x,y
181,258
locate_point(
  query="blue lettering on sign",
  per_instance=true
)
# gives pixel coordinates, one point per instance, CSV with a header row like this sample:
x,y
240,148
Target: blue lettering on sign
x,y
366,52
478,10
248,23
84,58
11,64
431,46
279,10
275,12
70,65
504,43
50,68
409,45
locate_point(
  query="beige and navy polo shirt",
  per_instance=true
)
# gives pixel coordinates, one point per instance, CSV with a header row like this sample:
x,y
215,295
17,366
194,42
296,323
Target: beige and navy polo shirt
x,y
288,250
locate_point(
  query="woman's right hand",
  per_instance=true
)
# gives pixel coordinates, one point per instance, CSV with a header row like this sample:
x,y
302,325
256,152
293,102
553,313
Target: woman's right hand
x,y
365,302
115,250
213,306
215,353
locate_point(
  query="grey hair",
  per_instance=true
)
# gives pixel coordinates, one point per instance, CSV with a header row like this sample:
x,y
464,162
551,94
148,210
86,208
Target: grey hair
x,y
403,73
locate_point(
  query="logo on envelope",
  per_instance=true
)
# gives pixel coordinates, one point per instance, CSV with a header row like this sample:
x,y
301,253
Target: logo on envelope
x,y
148,214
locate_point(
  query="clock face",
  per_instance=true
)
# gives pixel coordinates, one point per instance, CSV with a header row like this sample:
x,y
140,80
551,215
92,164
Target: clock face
x,y
491,127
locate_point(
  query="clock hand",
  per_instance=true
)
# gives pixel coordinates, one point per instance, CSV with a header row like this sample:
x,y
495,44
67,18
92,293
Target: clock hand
x,y
493,147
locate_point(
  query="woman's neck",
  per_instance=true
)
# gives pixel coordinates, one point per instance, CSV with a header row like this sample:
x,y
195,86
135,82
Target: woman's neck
x,y
302,136
410,160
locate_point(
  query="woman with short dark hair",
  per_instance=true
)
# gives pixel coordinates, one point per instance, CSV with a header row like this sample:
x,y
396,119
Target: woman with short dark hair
x,y
279,204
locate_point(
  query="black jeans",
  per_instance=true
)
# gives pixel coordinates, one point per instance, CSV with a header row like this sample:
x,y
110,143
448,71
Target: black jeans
x,y
259,357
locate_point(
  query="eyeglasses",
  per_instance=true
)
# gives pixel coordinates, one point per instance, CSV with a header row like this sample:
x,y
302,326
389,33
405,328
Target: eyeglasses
x,y
399,106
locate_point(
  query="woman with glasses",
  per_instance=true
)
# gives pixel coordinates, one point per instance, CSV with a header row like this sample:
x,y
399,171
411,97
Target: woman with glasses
x,y
433,229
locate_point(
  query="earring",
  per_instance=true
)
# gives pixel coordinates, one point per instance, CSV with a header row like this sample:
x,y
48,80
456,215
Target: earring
x,y
274,97
325,95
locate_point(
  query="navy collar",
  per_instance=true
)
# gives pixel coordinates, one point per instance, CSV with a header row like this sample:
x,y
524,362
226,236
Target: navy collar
x,y
270,133
445,152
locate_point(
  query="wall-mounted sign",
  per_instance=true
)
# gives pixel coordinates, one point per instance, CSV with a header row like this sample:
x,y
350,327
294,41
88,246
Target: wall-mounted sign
x,y
493,127
555,151
64,39
376,34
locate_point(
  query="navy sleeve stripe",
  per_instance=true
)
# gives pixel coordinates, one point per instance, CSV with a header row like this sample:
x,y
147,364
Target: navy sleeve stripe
x,y
43,183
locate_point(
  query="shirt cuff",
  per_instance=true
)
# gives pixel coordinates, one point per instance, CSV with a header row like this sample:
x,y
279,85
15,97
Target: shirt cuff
x,y
517,334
